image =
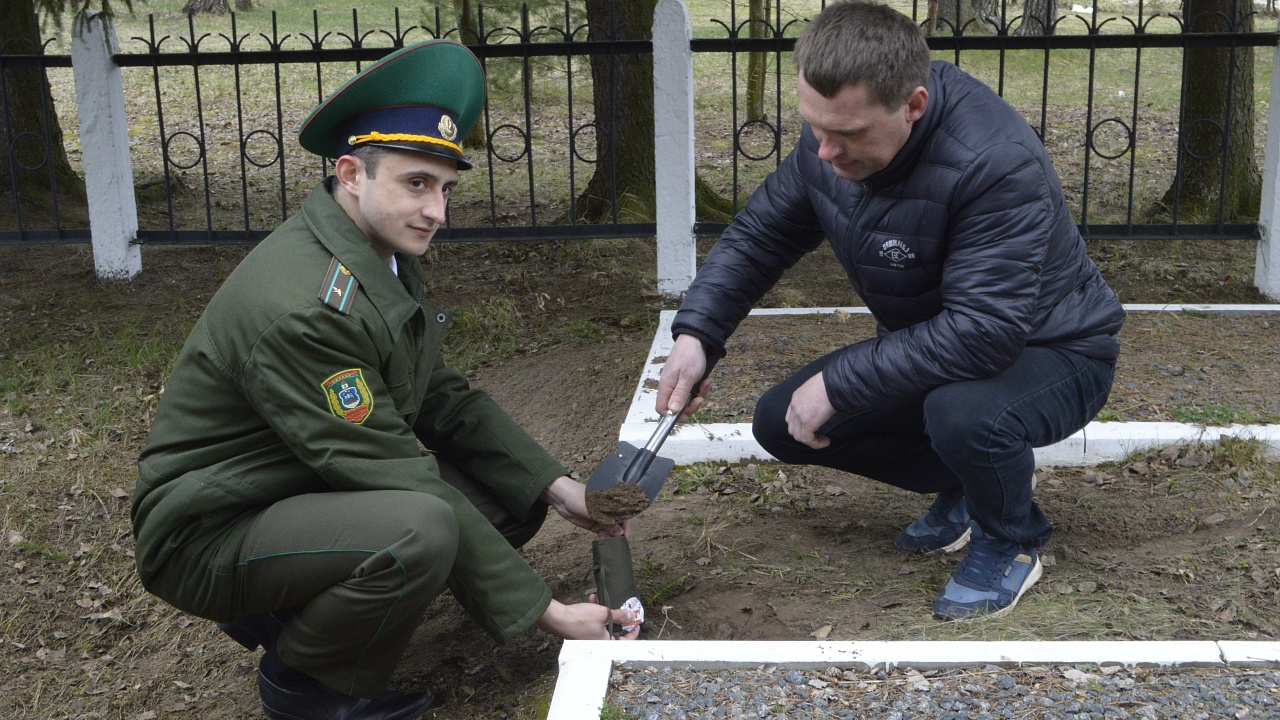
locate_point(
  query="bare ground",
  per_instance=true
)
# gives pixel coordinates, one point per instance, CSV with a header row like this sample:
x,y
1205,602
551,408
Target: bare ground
x,y
1172,545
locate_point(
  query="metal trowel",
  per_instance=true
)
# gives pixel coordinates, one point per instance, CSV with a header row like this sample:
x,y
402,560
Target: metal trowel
x,y
630,479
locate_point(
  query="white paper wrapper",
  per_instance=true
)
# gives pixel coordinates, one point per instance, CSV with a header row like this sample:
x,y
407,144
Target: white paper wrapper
x,y
634,604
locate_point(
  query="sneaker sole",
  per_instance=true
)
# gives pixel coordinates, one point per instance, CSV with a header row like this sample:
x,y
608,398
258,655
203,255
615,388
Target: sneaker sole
x,y
959,542
955,545
1032,577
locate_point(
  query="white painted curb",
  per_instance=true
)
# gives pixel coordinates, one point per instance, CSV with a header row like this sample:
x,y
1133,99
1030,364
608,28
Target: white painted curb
x,y
1098,442
586,665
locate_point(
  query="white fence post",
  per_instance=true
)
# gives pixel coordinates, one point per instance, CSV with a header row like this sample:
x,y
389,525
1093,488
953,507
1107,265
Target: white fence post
x,y
1266,272
673,146
104,144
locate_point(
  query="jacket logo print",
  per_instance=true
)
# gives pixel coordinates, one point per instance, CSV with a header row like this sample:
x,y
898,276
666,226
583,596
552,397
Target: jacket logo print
x,y
897,253
348,395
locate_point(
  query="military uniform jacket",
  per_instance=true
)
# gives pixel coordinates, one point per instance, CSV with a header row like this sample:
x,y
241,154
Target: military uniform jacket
x,y
963,248
277,393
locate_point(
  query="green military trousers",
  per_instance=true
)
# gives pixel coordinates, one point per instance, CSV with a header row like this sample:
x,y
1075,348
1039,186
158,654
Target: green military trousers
x,y
360,568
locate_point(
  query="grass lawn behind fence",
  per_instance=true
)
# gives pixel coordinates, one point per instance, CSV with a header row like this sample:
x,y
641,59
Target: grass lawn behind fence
x,y
223,106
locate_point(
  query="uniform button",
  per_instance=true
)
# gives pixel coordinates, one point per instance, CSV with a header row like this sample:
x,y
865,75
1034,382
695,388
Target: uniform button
x,y
441,318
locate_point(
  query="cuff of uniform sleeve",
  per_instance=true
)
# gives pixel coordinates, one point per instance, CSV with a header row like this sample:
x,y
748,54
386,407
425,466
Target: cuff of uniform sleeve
x,y
527,621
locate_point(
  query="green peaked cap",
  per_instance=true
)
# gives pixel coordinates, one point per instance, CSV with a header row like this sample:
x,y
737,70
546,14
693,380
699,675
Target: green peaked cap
x,y
425,97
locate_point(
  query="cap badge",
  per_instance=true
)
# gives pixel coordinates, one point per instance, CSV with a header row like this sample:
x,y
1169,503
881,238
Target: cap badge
x,y
448,129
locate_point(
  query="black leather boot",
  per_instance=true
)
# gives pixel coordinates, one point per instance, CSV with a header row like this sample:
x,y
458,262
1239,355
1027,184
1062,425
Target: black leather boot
x,y
253,631
291,695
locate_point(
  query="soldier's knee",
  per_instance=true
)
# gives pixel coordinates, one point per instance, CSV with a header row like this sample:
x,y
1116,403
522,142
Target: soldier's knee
x,y
430,527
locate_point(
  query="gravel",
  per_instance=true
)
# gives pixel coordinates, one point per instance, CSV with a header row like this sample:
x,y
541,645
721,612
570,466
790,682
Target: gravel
x,y
987,693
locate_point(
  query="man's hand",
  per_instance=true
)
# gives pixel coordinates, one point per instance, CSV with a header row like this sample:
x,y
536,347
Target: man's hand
x,y
810,408
585,621
569,498
685,366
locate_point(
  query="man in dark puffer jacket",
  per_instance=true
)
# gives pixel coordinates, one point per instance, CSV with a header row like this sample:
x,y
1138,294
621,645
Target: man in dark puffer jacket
x,y
996,333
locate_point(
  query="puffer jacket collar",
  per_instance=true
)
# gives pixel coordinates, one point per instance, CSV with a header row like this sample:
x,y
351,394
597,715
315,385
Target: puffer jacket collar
x,y
909,156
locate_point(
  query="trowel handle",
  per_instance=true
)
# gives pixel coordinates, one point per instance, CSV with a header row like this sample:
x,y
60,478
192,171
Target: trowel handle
x,y
663,430
645,455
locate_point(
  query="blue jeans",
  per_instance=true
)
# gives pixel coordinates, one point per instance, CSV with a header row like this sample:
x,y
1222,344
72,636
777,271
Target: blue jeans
x,y
976,435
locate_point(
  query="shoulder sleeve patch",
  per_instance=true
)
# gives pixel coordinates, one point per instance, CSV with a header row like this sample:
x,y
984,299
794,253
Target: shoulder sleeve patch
x,y
339,288
348,395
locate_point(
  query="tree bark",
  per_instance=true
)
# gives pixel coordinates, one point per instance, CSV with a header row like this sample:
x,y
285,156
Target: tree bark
x,y
757,62
622,97
464,13
1038,17
1217,103
969,16
33,159
213,7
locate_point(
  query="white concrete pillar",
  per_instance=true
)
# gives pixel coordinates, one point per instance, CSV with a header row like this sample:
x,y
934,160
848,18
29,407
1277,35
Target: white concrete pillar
x,y
1266,272
104,144
673,146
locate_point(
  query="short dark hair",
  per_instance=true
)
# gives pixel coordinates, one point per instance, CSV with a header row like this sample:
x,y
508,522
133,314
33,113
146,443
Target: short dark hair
x,y
864,43
370,155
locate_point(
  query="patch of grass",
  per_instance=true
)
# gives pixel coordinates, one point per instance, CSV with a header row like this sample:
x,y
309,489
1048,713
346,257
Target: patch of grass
x,y
612,711
693,478
44,551
658,583
1044,614
485,331
1214,415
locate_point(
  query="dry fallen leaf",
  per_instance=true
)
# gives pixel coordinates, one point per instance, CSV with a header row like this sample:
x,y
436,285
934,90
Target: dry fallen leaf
x,y
111,614
821,633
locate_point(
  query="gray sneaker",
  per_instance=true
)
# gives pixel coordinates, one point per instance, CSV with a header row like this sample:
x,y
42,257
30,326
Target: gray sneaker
x,y
945,527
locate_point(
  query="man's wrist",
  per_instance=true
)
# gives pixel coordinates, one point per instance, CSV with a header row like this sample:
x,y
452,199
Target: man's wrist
x,y
553,494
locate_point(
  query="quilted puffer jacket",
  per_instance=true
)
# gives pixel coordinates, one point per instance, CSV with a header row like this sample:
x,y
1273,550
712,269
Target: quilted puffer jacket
x,y
963,249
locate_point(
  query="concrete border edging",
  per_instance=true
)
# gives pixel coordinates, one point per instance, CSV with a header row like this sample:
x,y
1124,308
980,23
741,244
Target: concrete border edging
x,y
1099,442
587,665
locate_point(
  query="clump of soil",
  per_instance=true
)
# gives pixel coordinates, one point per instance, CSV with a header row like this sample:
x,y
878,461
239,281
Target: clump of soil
x,y
616,503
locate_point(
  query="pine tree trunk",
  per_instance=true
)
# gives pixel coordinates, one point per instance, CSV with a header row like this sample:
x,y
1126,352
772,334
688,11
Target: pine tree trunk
x,y
622,96
1217,104
464,14
622,85
32,155
757,62
969,16
1038,17
213,7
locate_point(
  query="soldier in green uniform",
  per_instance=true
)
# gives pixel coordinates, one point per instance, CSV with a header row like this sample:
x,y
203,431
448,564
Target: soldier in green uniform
x,y
285,492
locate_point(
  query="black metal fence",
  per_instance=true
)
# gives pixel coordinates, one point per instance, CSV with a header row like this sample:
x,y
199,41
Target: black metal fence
x,y
213,113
